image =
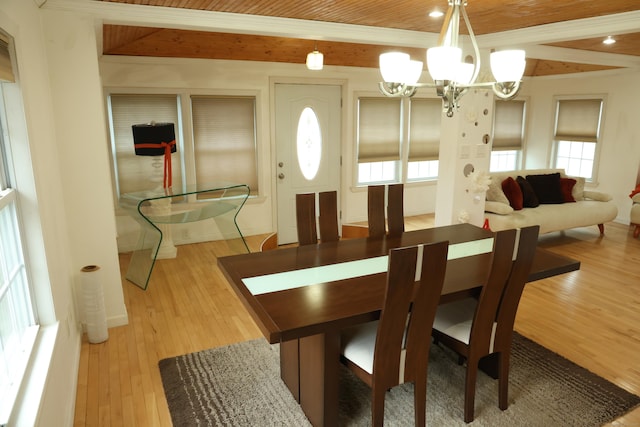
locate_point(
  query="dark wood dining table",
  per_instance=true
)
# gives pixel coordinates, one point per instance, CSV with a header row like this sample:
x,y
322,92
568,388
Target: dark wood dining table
x,y
301,297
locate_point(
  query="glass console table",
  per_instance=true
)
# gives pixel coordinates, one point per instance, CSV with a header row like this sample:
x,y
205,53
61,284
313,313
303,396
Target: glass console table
x,y
219,201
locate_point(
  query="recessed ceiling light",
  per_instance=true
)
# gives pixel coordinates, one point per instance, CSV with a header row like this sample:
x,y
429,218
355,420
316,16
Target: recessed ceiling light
x,y
609,40
436,14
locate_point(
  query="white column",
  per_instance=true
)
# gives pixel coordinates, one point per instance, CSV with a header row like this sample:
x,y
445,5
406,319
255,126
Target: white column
x,y
465,145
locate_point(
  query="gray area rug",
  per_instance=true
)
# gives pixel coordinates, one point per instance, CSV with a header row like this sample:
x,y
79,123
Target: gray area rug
x,y
239,385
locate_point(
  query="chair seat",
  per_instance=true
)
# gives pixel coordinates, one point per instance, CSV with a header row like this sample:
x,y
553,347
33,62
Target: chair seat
x,y
455,318
358,344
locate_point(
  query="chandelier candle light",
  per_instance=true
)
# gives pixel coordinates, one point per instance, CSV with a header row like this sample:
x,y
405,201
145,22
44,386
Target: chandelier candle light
x,y
451,75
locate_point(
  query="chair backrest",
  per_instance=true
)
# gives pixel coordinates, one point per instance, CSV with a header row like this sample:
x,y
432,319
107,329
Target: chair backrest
x,y
425,305
375,210
527,244
306,218
328,201
397,306
482,328
395,209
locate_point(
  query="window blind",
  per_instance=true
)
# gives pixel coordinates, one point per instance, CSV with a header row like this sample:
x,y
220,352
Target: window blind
x,y
578,120
424,129
379,129
138,173
6,69
224,136
508,125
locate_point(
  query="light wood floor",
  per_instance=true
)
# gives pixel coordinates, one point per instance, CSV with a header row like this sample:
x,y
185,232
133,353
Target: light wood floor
x,y
591,316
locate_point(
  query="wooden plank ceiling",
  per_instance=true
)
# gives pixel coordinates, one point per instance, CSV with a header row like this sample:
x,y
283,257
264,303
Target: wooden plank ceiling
x,y
486,16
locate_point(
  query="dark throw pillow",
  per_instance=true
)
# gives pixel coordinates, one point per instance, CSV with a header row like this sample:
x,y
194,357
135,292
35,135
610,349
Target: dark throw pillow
x,y
547,188
513,192
566,186
529,198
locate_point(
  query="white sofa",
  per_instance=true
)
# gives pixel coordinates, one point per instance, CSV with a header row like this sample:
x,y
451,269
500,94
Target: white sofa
x,y
589,208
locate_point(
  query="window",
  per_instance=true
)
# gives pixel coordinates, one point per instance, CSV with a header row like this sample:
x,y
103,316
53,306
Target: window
x,y
508,131
309,144
424,138
221,146
139,173
396,135
224,138
379,136
576,136
18,325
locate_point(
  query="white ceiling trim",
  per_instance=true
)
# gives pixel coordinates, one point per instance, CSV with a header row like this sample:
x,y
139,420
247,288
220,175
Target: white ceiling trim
x,y
200,20
602,26
581,56
528,38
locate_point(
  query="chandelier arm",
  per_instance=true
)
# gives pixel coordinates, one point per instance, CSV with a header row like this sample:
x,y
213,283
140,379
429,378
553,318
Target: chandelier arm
x,y
445,26
506,90
474,43
397,90
391,89
428,85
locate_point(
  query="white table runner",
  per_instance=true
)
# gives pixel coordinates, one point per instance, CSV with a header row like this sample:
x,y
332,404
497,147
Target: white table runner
x,y
347,270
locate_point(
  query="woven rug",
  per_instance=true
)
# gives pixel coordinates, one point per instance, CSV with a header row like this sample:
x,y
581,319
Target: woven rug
x,y
239,385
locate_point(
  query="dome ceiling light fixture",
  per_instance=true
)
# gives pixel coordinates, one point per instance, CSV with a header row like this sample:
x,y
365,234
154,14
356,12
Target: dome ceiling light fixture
x,y
452,76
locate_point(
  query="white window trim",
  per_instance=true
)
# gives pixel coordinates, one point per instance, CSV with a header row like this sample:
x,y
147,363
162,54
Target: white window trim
x,y
38,362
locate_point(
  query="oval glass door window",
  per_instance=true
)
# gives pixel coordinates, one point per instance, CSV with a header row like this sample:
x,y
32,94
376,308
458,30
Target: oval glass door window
x,y
309,143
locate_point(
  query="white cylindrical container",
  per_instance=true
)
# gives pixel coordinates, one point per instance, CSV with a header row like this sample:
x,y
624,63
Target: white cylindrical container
x,y
93,304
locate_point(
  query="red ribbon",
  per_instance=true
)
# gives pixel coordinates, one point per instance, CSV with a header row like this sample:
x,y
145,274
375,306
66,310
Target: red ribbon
x,y
168,174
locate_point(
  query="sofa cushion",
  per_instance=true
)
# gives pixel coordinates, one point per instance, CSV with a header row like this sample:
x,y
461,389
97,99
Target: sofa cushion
x,y
513,192
495,193
556,217
497,208
578,189
529,198
598,196
547,188
566,186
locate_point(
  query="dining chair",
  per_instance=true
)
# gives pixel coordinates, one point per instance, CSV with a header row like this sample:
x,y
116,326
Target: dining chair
x,y
479,327
393,350
270,242
328,219
376,210
306,219
395,209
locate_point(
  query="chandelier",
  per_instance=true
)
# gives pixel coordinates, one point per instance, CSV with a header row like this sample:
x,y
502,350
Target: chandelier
x,y
452,76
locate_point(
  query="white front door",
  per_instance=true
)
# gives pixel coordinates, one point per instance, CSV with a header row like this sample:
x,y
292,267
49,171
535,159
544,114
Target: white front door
x,y
307,135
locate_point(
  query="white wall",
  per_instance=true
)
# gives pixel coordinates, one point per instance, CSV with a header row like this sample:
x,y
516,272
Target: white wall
x,y
61,79
83,148
59,145
223,77
619,157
